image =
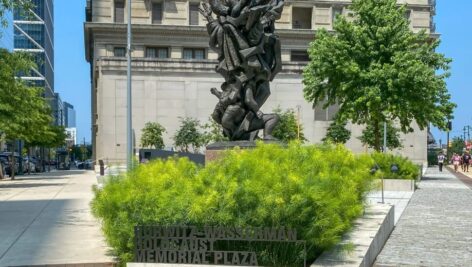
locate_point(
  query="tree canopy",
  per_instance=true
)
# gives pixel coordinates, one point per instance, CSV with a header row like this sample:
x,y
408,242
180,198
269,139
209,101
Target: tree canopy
x,y
152,135
288,129
393,136
24,113
457,146
189,135
9,5
337,133
213,132
378,70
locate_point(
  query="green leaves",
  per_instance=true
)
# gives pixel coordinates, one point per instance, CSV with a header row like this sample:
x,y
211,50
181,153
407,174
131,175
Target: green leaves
x,y
406,169
189,135
10,5
337,133
369,134
152,135
24,113
213,132
288,128
377,69
317,190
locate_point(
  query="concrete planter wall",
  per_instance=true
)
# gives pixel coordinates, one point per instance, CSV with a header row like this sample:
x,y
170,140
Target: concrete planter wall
x,y
398,185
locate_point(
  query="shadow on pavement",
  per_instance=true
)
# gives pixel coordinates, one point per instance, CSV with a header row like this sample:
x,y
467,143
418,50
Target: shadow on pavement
x,y
47,175
433,178
29,185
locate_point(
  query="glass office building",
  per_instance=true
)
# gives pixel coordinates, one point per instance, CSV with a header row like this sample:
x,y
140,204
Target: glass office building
x,y
34,33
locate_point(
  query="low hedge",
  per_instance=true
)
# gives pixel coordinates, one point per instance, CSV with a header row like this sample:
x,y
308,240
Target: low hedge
x,y
317,190
406,169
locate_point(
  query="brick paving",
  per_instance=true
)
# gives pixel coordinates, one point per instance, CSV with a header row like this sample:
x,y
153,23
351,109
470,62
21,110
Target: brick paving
x,y
436,226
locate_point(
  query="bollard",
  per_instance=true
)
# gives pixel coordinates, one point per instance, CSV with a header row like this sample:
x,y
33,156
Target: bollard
x,y
102,167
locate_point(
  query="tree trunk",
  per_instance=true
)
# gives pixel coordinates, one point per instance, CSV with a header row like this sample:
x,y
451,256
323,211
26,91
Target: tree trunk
x,y
49,159
377,136
2,174
13,165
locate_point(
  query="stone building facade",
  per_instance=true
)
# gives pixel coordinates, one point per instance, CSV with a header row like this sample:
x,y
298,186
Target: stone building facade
x,y
173,68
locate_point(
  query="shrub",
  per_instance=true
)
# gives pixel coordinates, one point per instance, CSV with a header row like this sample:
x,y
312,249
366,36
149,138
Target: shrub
x,y
152,135
406,168
288,128
317,190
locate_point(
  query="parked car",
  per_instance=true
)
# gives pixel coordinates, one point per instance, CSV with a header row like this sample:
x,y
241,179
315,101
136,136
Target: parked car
x,y
87,165
3,165
37,164
6,157
29,164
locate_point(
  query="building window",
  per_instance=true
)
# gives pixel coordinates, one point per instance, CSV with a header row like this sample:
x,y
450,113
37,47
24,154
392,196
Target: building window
x,y
327,114
157,13
299,56
194,53
193,13
157,52
119,51
301,18
119,11
336,11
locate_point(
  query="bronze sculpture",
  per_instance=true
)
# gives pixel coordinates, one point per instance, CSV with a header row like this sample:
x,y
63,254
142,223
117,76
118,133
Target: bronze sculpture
x,y
249,58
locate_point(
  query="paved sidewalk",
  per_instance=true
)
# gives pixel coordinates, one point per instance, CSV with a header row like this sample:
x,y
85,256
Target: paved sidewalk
x,y
436,226
399,199
45,219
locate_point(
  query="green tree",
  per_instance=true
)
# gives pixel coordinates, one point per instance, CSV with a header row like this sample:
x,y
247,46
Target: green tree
x,y
24,113
213,132
288,129
10,5
337,133
189,135
457,146
393,136
378,70
81,152
53,136
152,135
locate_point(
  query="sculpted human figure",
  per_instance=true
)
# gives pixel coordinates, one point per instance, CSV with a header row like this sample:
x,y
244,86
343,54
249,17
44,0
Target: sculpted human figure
x,y
249,58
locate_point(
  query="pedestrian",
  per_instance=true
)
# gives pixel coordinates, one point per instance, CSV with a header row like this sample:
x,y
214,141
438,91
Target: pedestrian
x,y
441,159
462,161
466,161
456,160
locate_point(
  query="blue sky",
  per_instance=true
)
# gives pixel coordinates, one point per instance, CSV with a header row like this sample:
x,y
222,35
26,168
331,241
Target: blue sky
x,y
453,22
72,72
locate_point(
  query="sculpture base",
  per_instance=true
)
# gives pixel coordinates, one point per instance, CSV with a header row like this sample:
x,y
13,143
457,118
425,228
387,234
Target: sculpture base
x,y
215,151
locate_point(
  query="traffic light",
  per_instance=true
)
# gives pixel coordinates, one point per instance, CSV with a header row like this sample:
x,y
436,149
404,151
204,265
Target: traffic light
x,y
449,144
449,125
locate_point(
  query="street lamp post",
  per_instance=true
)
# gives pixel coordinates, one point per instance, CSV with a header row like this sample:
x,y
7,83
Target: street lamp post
x,y
384,151
298,121
129,119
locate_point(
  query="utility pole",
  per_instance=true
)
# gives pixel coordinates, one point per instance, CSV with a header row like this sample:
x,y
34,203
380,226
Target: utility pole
x,y
384,151
464,132
129,119
468,133
84,152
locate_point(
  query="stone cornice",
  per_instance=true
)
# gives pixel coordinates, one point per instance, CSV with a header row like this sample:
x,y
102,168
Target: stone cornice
x,y
112,30
176,65
346,3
